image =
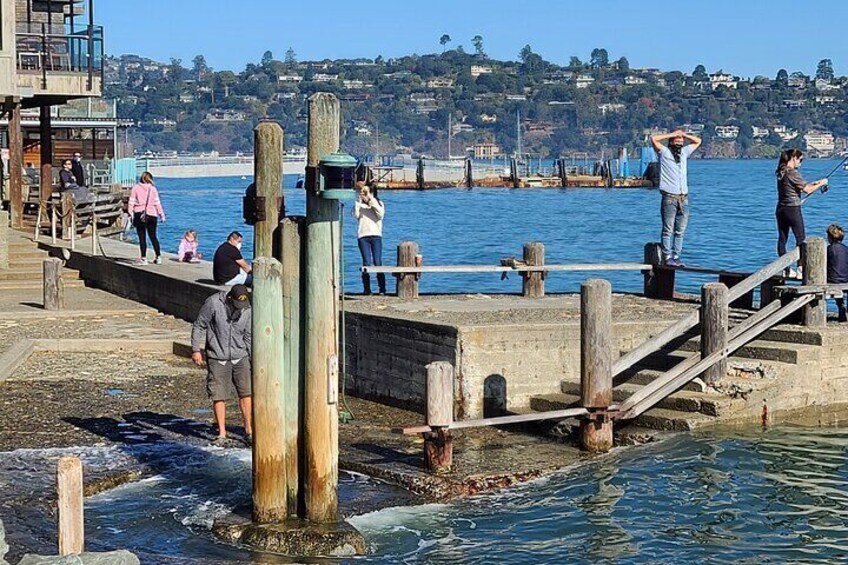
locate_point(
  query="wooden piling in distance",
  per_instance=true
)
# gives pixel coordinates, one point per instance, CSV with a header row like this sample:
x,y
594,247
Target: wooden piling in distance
x,y
291,246
533,285
68,215
53,286
438,444
16,163
469,174
321,421
269,421
419,174
815,273
268,179
407,283
4,239
714,327
596,352
70,506
563,172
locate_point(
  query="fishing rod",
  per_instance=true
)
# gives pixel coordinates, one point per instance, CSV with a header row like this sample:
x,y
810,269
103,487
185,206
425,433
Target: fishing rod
x,y
825,187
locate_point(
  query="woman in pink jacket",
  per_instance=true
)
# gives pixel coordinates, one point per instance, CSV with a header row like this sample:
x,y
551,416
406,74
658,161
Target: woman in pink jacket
x,y
146,209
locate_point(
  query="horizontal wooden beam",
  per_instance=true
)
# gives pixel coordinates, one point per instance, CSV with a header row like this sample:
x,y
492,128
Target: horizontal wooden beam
x,y
500,420
832,290
501,269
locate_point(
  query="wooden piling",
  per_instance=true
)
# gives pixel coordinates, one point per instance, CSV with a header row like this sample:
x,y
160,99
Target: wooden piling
x,y
269,421
291,254
596,352
321,420
54,287
767,291
659,281
68,215
563,172
469,174
533,285
438,444
419,174
513,173
714,320
407,283
268,178
46,150
815,273
70,506
4,239
16,163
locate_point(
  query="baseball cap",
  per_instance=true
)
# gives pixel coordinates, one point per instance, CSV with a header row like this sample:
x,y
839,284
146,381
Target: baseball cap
x,y
238,294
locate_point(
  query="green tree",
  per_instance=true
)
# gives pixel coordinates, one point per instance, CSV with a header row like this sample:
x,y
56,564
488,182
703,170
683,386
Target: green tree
x,y
477,41
824,71
700,73
200,67
291,58
623,64
267,57
782,77
575,63
444,40
525,52
599,58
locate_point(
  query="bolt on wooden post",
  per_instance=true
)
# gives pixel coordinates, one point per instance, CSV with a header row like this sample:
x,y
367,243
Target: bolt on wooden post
x,y
438,444
268,177
714,316
533,285
815,273
54,286
596,352
407,283
321,418
269,421
70,506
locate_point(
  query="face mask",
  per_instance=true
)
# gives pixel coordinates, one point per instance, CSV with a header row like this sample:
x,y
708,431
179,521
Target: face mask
x,y
238,245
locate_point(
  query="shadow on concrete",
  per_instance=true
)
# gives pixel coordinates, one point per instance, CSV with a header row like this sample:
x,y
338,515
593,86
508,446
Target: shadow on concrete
x,y
387,455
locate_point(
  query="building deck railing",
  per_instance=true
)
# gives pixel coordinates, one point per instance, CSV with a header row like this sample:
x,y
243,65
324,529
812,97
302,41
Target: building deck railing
x,y
41,51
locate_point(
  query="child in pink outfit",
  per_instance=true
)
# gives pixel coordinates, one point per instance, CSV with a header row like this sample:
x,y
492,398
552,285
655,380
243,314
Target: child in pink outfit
x,y
188,248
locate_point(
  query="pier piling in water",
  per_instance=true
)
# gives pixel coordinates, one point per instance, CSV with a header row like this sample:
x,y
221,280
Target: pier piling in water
x,y
54,288
407,283
70,506
714,328
815,273
268,179
269,406
321,419
534,282
438,444
596,350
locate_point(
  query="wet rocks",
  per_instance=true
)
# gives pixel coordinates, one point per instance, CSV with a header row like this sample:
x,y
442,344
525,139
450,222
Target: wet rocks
x,y
294,537
109,558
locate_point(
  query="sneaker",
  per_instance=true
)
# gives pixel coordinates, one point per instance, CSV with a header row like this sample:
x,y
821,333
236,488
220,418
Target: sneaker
x,y
141,262
158,260
673,263
791,274
800,273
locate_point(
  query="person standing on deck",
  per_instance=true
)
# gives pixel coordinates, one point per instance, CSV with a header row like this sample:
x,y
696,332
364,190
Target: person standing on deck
x,y
369,212
76,168
837,264
790,185
146,209
223,329
674,188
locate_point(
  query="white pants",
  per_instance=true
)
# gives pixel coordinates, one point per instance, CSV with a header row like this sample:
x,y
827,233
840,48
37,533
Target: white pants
x,y
240,278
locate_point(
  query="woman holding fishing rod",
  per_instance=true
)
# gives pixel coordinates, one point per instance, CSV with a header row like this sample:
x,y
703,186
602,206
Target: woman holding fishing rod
x,y
790,186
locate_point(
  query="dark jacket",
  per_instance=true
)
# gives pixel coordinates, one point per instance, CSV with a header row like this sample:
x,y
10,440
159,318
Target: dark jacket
x,y
79,174
837,263
223,338
67,180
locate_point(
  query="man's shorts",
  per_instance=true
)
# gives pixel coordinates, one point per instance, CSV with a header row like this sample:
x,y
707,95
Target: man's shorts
x,y
228,380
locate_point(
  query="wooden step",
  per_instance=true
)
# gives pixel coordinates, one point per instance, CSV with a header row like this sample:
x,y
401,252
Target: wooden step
x,y
711,404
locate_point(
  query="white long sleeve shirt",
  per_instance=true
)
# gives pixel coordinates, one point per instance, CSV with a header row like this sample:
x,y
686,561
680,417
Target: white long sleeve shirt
x,y
370,217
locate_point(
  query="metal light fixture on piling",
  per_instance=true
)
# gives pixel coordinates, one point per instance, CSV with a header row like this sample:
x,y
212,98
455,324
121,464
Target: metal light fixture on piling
x,y
337,177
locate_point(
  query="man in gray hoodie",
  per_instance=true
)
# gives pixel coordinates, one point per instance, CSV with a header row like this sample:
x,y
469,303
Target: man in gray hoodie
x,y
223,330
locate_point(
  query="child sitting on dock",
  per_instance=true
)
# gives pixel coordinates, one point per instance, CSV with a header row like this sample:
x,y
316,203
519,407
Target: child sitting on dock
x,y
188,248
837,264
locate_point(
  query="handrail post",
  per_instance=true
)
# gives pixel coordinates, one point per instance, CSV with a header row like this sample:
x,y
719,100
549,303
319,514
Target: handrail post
x,y
70,506
407,283
596,350
714,316
534,281
53,286
438,444
659,281
815,273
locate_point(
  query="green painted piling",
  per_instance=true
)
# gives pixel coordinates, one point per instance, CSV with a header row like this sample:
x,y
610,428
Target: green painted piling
x,y
268,177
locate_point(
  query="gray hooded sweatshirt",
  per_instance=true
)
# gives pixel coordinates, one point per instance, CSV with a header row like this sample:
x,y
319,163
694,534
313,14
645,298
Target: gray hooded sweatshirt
x,y
224,338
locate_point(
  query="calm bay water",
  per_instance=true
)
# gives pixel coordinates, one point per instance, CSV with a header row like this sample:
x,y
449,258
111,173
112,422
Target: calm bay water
x,y
731,225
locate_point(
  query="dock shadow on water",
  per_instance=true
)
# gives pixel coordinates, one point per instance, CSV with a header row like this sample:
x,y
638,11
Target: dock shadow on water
x,y
732,497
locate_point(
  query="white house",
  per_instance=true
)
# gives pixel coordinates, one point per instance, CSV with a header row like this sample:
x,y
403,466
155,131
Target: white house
x,y
722,78
820,142
583,81
477,70
759,133
610,107
727,132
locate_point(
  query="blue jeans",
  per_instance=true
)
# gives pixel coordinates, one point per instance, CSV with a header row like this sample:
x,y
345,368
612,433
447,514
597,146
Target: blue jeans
x,y
371,249
675,217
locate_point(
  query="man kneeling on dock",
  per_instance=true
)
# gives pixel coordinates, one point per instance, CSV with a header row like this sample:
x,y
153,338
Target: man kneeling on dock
x,y
223,329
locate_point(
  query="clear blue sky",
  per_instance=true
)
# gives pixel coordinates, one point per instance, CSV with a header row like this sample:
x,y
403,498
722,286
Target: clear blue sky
x,y
746,37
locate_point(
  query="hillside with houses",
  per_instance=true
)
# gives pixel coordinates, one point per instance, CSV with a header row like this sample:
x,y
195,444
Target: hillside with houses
x,y
421,104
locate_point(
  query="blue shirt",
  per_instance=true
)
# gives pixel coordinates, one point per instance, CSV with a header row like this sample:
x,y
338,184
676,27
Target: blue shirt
x,y
672,174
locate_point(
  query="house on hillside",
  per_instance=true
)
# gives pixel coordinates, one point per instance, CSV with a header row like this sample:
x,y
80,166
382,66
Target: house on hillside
x,y
486,150
477,70
727,132
819,143
722,78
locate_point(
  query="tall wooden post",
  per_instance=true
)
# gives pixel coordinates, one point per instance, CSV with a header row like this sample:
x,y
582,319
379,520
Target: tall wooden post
x,y
596,352
46,140
469,174
407,283
659,281
269,421
268,178
16,162
291,255
438,444
54,288
68,216
534,282
815,273
419,174
714,317
4,239
70,506
321,420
